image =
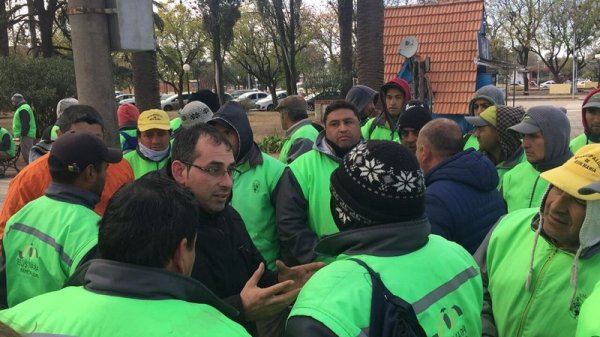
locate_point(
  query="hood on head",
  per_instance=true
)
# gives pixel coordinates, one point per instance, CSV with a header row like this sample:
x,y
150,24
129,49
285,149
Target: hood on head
x,y
394,83
489,93
233,114
585,100
361,95
556,129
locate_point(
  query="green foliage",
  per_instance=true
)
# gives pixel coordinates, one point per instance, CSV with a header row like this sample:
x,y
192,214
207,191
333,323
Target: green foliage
x,y
42,81
271,144
247,104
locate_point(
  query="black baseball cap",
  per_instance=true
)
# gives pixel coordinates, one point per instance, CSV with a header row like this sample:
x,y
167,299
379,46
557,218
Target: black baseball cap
x,y
74,151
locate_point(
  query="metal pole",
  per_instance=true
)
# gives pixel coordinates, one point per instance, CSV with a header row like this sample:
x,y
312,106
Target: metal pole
x,y
93,64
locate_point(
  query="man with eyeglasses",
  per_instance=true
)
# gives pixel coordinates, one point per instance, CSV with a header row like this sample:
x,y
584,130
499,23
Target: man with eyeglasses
x,y
538,265
227,261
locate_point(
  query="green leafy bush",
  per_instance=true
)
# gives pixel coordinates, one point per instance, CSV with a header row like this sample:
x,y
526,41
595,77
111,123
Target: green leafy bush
x,y
42,81
271,144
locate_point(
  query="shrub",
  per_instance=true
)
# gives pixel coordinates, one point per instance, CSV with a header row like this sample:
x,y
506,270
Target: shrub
x,y
42,81
271,144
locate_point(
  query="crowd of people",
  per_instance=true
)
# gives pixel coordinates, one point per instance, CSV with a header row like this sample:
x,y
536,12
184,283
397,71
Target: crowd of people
x,y
373,221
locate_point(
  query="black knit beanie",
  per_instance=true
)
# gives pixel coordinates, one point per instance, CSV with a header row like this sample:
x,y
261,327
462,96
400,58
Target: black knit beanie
x,y
379,182
415,116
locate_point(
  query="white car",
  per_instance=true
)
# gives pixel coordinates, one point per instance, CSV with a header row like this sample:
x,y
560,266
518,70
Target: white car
x,y
266,104
252,96
127,101
172,102
547,84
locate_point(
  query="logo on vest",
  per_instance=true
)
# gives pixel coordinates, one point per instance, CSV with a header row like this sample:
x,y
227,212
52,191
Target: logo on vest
x,y
255,186
450,323
27,260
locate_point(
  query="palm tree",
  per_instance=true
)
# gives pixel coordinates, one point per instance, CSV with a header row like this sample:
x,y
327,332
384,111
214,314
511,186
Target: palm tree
x,y
369,42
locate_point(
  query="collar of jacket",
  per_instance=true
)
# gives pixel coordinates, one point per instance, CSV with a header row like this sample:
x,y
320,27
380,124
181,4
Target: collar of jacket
x,y
128,280
512,161
393,239
296,126
72,195
324,148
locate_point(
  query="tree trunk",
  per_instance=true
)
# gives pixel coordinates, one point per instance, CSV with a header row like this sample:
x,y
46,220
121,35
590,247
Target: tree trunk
x,y
46,23
218,67
145,80
4,50
369,42
32,28
345,13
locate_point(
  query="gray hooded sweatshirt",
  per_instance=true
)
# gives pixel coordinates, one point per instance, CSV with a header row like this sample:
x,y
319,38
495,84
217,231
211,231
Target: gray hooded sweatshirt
x,y
489,93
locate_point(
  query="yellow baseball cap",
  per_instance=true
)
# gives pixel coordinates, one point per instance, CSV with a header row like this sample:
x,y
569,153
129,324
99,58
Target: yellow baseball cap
x,y
154,119
487,117
578,172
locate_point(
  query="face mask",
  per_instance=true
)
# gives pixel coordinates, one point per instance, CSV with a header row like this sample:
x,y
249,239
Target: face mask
x,y
154,155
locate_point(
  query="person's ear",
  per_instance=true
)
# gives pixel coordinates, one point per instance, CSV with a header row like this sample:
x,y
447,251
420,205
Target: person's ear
x,y
183,259
179,171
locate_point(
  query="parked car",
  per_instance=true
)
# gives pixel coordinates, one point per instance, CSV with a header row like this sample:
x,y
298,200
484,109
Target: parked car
x,y
172,102
546,85
128,101
329,94
252,97
238,93
121,97
266,104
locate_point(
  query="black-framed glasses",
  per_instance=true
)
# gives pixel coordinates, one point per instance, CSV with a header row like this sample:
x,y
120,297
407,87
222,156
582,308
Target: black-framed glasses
x,y
214,171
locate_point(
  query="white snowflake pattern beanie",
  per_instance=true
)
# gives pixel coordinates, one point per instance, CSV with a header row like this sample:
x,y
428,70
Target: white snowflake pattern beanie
x,y
379,182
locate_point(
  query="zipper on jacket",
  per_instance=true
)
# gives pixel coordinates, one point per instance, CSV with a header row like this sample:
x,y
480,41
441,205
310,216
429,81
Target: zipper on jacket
x,y
533,290
533,191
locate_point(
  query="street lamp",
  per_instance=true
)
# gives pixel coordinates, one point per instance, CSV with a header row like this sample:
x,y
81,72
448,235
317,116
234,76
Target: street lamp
x,y
186,70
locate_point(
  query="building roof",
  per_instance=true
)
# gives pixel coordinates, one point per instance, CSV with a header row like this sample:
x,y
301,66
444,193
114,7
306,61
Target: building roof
x,y
447,34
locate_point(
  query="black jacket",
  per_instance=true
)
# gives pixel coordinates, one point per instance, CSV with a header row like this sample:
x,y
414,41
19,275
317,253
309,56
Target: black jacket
x,y
225,256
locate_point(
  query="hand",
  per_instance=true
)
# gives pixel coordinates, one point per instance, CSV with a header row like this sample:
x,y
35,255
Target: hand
x,y
260,303
299,274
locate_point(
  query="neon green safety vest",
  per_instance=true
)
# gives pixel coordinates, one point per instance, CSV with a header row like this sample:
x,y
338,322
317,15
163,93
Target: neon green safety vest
x,y
175,124
589,324
44,243
545,309
312,171
17,122
141,166
252,189
84,313
522,187
471,143
440,280
131,133
379,132
307,131
501,168
12,149
54,132
578,142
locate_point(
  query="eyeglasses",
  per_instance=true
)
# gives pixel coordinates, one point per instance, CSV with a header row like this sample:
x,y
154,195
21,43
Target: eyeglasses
x,y
214,171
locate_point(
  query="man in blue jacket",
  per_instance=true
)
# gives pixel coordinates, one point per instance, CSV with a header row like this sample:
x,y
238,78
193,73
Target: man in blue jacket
x,y
462,202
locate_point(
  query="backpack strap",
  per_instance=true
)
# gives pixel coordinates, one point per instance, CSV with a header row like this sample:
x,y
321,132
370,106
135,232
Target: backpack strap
x,y
385,321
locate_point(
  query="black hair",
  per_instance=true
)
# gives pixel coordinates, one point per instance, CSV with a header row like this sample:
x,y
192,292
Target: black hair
x,y
61,173
295,115
340,104
184,145
146,220
76,114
